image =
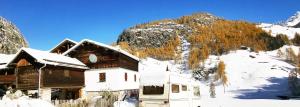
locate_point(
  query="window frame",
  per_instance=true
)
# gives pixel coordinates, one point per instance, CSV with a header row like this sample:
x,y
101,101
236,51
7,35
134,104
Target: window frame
x,y
126,77
184,89
134,77
103,74
196,91
175,88
67,73
159,90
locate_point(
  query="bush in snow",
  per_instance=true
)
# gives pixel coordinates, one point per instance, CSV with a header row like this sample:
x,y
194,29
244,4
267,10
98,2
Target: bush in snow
x,y
280,53
203,73
212,90
296,39
294,84
291,56
107,95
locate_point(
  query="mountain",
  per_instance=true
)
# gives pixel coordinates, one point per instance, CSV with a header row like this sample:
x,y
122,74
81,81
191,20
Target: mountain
x,y
202,33
11,39
294,21
256,75
157,33
289,27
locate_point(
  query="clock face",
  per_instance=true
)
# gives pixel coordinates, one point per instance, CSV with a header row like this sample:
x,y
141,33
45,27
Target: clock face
x,y
93,58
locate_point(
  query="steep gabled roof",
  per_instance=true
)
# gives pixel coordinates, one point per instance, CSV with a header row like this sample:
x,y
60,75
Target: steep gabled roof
x,y
5,58
102,45
45,57
62,42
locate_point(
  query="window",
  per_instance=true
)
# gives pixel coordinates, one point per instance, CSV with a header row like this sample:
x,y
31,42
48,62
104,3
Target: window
x,y
196,91
175,88
125,76
102,77
184,88
66,73
134,78
50,72
153,90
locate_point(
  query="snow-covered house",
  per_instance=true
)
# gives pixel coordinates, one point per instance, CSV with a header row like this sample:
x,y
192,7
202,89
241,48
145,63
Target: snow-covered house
x,y
111,69
43,73
7,75
63,46
163,85
72,69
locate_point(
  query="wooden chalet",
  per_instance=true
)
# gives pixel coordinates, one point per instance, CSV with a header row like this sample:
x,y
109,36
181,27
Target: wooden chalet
x,y
7,75
106,56
71,70
47,73
111,69
63,46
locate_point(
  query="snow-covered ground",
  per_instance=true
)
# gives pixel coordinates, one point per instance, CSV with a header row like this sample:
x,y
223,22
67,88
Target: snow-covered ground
x,y
286,27
25,103
255,79
18,99
279,29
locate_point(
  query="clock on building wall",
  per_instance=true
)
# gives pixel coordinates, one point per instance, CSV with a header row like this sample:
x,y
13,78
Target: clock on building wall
x,y
92,58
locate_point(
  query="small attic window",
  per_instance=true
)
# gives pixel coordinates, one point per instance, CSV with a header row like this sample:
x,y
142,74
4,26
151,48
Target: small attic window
x,y
66,73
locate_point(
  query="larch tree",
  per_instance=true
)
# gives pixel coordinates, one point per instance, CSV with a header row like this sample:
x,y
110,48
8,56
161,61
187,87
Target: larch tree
x,y
296,39
221,74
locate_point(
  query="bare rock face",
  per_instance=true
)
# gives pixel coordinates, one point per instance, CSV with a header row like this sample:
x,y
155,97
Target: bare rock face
x,y
153,35
11,39
156,34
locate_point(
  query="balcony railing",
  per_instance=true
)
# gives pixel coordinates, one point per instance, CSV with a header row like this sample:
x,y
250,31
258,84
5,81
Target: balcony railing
x,y
7,78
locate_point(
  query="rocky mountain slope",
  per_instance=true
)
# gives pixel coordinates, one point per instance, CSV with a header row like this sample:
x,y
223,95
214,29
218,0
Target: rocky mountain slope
x,y
253,78
155,34
289,27
11,39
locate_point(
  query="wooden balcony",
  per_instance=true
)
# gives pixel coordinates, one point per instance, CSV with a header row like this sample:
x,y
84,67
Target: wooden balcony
x,y
7,79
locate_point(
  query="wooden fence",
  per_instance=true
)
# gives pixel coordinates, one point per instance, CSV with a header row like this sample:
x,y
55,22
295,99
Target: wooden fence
x,y
103,102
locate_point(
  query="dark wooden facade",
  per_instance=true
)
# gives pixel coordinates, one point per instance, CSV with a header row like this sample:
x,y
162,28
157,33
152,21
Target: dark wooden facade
x,y
7,76
61,77
27,78
52,76
106,58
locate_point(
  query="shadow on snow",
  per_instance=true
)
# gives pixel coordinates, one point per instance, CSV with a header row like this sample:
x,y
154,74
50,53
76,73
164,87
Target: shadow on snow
x,y
278,87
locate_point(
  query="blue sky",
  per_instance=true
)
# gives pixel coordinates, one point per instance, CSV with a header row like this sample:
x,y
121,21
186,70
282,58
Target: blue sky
x,y
44,23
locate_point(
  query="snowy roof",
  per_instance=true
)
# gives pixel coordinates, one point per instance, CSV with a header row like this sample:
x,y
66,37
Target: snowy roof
x,y
65,40
5,58
156,73
52,58
101,45
153,72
